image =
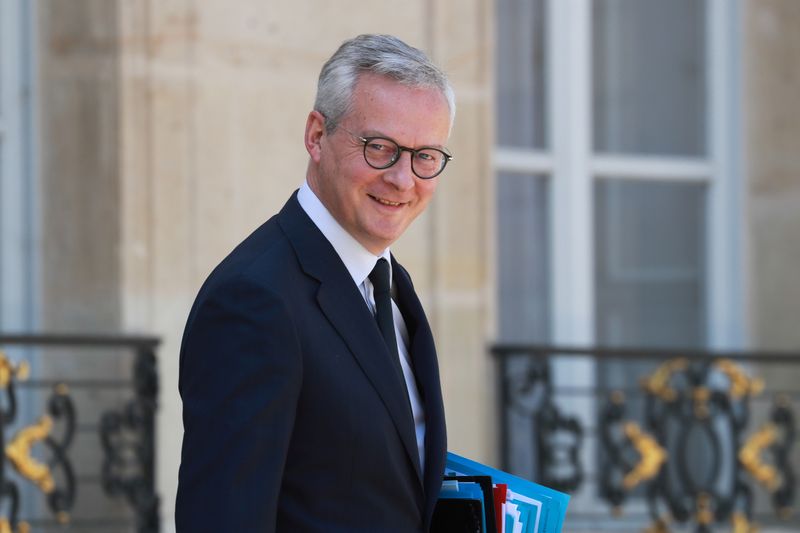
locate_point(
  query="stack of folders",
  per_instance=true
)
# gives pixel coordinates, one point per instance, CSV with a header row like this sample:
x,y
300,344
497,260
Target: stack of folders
x,y
476,498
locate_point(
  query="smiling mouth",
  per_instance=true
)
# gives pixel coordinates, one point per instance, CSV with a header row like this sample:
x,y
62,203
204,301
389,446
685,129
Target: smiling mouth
x,y
385,202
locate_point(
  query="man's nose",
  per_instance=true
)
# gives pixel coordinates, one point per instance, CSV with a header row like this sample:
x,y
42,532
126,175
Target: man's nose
x,y
400,174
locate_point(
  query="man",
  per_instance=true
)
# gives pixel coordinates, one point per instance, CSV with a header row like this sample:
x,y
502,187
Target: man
x,y
311,399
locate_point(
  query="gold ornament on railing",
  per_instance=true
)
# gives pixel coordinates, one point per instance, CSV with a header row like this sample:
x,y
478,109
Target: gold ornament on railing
x,y
750,457
705,515
5,527
657,384
660,525
9,370
652,456
740,524
18,452
740,384
700,396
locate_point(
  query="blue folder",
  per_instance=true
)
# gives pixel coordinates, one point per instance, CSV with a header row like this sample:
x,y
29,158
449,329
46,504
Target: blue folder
x,y
542,508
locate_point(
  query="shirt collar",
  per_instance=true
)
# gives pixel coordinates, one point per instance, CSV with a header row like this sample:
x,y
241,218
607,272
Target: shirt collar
x,y
358,261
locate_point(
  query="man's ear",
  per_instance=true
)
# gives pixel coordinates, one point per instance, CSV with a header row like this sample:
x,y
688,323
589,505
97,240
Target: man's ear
x,y
315,130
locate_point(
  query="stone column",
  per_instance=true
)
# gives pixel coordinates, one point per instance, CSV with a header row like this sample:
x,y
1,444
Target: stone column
x,y
772,136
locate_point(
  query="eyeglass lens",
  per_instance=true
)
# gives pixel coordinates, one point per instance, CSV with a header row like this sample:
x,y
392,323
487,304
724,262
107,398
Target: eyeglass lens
x,y
382,153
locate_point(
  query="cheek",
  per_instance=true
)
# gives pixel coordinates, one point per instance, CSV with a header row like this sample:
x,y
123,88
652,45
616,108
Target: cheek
x,y
425,191
354,177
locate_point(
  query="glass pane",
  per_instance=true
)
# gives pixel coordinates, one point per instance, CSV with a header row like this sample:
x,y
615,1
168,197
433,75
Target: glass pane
x,y
521,73
650,263
523,265
524,300
649,71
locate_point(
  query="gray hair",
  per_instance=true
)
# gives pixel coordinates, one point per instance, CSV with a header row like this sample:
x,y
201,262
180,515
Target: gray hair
x,y
384,55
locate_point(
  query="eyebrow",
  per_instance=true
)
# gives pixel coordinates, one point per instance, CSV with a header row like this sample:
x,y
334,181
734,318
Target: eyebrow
x,y
376,133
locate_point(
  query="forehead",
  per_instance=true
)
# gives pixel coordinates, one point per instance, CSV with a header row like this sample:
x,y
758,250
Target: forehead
x,y
385,105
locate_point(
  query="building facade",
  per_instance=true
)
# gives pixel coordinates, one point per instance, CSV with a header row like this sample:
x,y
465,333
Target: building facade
x,y
625,173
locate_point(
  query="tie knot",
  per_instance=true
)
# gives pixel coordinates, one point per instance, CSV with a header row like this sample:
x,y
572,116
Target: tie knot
x,y
380,276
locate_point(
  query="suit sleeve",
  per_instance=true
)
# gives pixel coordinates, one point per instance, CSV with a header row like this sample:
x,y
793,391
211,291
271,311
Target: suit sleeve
x,y
240,377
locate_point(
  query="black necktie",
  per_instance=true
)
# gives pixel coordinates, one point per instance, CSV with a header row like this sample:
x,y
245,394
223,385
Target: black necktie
x,y
383,310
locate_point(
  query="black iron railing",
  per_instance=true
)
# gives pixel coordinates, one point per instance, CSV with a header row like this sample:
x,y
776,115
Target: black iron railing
x,y
77,424
655,440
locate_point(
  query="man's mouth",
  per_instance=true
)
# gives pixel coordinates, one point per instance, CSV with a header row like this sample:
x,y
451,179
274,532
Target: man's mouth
x,y
385,202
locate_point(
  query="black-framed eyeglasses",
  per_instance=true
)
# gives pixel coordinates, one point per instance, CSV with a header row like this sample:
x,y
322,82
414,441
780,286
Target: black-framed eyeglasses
x,y
426,162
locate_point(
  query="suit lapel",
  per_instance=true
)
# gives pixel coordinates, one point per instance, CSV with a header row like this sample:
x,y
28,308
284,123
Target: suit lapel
x,y
426,370
343,305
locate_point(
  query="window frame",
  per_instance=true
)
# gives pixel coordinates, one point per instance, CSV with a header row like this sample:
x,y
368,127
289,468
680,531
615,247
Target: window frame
x,y
19,193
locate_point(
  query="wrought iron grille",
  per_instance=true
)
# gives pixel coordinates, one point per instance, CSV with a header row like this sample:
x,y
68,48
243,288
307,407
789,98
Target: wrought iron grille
x,y
77,421
655,440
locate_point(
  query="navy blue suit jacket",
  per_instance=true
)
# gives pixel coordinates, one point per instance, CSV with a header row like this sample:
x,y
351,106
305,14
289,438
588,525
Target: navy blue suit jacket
x,y
294,417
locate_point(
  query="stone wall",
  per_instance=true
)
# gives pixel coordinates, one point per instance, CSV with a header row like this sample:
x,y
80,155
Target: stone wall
x,y
772,140
80,200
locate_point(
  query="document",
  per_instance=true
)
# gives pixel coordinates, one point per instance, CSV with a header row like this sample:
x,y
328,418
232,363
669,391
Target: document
x,y
516,505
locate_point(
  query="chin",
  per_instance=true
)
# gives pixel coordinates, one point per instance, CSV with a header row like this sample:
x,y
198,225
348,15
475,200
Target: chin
x,y
384,236
375,244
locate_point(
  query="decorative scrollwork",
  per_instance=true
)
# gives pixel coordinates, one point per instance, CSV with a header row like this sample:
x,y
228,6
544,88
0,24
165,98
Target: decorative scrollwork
x,y
18,451
613,466
10,493
8,371
8,488
660,525
741,384
686,403
127,439
705,515
558,437
37,458
652,456
123,466
62,498
782,420
750,456
740,524
658,384
5,527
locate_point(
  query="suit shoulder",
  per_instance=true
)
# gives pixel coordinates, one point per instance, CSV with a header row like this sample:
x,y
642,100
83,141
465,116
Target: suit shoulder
x,y
260,256
264,262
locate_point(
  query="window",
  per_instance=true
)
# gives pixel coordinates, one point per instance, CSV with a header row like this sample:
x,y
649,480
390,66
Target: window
x,y
649,96
616,172
617,182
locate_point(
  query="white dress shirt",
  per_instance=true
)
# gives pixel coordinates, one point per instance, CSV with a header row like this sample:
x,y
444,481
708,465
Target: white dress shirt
x,y
359,263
